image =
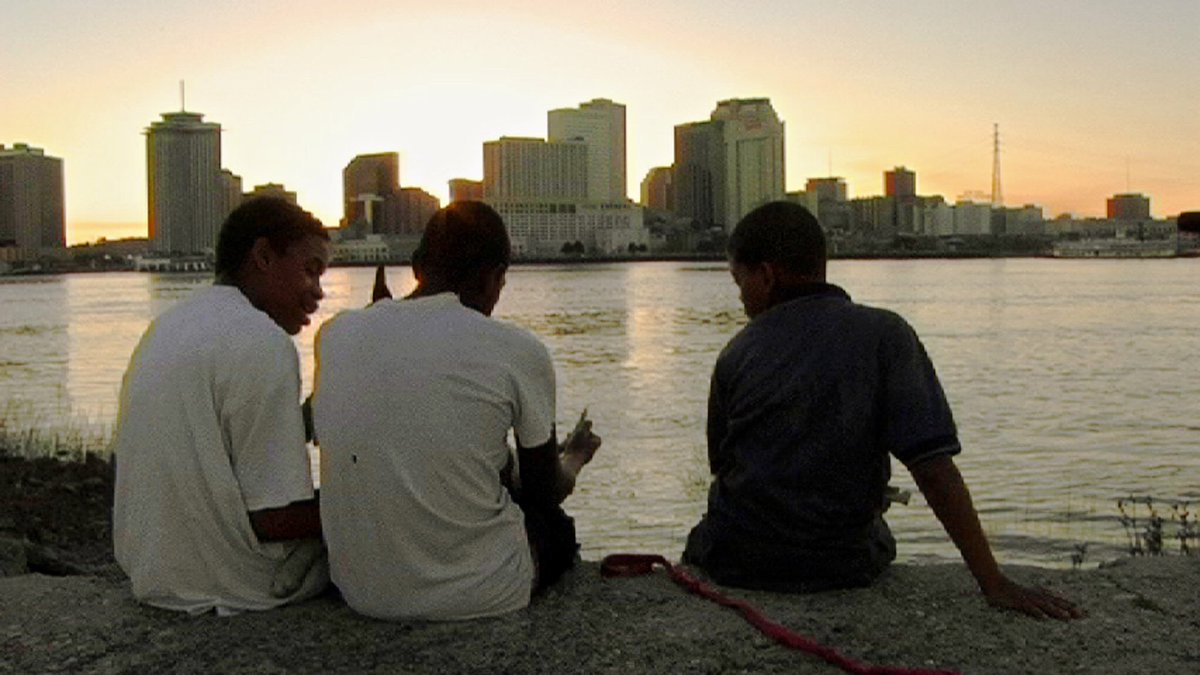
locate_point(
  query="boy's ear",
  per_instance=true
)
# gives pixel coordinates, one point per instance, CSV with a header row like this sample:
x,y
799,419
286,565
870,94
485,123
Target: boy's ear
x,y
380,290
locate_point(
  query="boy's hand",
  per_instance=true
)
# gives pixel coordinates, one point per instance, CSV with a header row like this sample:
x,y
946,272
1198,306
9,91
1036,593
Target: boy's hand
x,y
581,444
1036,602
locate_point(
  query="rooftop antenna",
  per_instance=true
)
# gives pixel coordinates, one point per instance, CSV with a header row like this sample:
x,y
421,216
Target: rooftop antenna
x,y
182,98
997,195
1127,182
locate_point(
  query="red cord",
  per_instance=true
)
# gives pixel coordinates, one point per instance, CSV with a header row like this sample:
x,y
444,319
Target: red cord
x,y
636,564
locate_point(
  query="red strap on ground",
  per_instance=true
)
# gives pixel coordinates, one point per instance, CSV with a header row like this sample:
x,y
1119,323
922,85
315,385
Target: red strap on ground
x,y
636,564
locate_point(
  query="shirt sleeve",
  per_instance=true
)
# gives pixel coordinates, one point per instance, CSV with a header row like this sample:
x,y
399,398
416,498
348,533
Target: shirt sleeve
x,y
917,421
264,427
717,424
535,397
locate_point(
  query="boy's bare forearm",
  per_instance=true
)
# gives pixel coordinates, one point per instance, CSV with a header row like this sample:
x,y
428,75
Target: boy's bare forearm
x,y
947,494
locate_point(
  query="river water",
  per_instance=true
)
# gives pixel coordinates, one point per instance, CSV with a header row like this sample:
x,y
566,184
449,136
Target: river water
x,y
1074,382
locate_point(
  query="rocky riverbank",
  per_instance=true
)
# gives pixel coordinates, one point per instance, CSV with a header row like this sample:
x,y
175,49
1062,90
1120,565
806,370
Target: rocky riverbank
x,y
74,613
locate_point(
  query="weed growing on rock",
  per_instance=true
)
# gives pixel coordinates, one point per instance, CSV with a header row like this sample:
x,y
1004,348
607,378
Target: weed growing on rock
x,y
1146,536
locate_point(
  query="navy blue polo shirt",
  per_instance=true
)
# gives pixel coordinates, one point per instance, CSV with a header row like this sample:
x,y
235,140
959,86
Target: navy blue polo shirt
x,y
807,402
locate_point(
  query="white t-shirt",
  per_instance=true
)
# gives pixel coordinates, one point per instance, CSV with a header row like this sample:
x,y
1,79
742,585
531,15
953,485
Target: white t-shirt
x,y
413,403
209,429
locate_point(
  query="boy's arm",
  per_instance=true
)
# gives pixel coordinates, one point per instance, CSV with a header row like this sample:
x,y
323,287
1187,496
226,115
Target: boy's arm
x,y
548,471
947,494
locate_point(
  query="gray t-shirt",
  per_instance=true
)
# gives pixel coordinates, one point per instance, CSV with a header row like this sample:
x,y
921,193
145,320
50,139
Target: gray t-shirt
x,y
807,402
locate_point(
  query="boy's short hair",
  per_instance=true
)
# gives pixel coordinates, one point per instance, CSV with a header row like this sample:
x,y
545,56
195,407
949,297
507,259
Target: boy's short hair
x,y
280,221
461,239
780,232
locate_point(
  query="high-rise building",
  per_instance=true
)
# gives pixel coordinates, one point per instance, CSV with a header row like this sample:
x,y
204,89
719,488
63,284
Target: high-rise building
x,y
367,180
31,199
531,169
831,189
231,189
699,180
729,165
899,182
657,188
1131,206
186,190
466,190
600,125
416,208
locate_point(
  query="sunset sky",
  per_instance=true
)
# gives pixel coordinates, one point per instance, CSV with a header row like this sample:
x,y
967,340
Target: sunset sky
x,y
1093,97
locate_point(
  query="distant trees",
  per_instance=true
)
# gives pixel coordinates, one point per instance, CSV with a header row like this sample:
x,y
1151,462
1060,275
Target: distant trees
x,y
573,248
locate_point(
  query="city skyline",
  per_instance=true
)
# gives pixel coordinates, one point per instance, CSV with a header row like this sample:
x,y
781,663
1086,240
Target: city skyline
x,y
1093,99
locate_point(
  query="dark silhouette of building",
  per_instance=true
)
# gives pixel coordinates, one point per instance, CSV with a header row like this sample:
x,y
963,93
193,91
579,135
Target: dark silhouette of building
x,y
366,181
31,199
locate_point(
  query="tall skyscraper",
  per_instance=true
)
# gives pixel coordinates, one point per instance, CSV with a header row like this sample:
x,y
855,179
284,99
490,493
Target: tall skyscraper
x,y
31,199
530,169
366,180
729,165
900,186
186,189
600,125
700,175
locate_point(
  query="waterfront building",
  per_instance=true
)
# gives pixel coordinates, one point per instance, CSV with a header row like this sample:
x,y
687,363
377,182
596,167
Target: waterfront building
x,y
729,165
600,125
519,169
271,190
366,181
465,190
1022,220
31,200
186,190
541,229
1130,206
938,219
658,191
972,218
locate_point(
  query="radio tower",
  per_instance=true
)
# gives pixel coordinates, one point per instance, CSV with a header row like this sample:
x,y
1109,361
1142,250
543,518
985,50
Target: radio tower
x,y
997,195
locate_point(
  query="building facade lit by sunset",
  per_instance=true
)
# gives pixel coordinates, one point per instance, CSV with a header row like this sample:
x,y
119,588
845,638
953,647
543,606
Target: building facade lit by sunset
x,y
658,190
466,190
600,125
531,169
186,189
729,165
1131,206
31,200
